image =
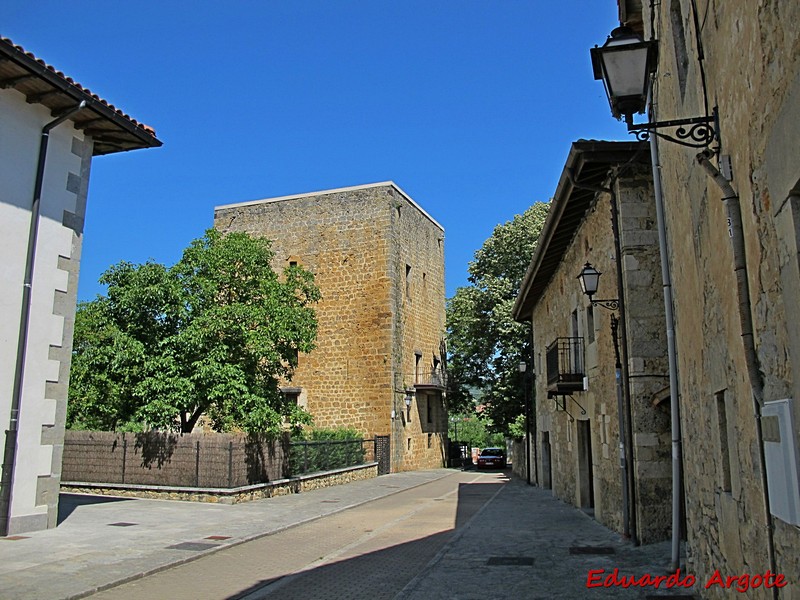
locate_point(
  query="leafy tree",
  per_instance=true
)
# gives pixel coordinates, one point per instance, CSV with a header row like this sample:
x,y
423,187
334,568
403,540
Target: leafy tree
x,y
485,344
211,336
473,430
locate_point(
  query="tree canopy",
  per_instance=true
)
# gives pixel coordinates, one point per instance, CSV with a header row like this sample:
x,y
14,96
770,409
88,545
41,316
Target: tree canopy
x,y
485,344
213,335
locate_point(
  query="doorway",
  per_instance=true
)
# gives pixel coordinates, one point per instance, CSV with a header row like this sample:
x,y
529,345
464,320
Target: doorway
x,y
547,482
585,474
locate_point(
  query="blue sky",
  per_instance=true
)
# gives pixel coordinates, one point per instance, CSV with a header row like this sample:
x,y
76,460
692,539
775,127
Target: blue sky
x,y
468,105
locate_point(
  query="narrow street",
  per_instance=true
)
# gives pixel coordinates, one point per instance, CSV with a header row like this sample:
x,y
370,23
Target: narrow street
x,y
371,551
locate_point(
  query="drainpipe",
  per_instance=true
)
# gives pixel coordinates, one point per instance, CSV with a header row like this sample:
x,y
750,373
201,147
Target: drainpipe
x,y
9,457
626,528
675,415
734,214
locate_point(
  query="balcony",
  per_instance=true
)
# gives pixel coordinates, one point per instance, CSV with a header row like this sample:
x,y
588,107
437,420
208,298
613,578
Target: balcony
x,y
565,366
434,379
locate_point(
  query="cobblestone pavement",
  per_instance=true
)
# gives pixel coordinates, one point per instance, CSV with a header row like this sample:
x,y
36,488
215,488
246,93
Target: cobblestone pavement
x,y
412,536
525,544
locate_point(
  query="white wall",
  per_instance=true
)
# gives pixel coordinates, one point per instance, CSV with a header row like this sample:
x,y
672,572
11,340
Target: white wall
x,y
20,132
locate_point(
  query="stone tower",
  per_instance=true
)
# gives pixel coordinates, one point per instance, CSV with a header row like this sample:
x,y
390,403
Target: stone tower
x,y
378,259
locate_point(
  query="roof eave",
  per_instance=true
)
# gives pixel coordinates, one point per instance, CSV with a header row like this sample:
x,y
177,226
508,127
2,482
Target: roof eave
x,y
581,154
135,135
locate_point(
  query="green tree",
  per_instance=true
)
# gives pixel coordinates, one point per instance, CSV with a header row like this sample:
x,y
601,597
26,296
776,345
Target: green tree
x,y
485,344
212,336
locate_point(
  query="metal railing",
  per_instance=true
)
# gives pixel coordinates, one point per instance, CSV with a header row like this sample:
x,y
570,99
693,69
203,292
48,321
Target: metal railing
x,y
565,362
432,378
326,455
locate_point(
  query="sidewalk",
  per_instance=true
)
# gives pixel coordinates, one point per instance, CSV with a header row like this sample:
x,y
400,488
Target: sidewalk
x,y
525,544
86,552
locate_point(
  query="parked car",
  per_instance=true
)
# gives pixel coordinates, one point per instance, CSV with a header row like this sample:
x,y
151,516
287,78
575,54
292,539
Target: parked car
x,y
492,458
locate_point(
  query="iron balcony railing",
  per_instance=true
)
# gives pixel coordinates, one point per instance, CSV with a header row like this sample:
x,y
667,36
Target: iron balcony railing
x,y
434,378
565,364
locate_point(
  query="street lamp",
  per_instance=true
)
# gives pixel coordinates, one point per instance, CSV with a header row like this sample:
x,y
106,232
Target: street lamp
x,y
625,63
589,278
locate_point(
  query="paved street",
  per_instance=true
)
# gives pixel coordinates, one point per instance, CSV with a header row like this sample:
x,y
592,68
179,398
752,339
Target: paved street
x,y
440,534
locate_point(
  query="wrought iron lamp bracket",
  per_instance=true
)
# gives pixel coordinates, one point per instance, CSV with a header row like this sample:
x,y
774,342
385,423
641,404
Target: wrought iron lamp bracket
x,y
611,304
696,132
563,404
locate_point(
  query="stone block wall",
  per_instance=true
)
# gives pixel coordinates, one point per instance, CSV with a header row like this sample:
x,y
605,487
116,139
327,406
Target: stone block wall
x,y
752,73
647,368
417,263
378,260
552,319
560,421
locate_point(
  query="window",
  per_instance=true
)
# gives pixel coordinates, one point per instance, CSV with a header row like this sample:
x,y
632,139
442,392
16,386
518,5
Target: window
x,y
417,359
724,441
679,35
292,263
408,282
291,394
590,323
429,409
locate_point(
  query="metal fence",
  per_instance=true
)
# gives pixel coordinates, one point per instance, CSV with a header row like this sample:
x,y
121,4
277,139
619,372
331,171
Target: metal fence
x,y
324,455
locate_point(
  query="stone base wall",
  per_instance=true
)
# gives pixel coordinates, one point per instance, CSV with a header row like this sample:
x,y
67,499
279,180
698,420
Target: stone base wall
x,y
282,487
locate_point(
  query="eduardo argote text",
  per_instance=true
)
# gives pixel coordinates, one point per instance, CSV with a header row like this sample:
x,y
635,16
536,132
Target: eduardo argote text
x,y
740,583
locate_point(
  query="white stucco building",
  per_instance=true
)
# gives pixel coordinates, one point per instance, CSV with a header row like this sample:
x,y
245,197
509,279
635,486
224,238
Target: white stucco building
x,y
50,128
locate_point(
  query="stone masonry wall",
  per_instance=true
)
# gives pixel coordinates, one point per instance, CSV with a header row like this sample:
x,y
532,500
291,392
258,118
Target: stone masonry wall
x,y
551,319
593,242
752,68
357,242
648,369
417,261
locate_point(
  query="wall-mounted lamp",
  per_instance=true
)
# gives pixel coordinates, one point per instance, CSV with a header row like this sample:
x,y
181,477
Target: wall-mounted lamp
x,y
589,278
409,397
625,63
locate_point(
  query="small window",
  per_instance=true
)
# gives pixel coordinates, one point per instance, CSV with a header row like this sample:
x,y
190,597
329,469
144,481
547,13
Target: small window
x,y
724,440
408,282
291,394
292,263
429,409
590,323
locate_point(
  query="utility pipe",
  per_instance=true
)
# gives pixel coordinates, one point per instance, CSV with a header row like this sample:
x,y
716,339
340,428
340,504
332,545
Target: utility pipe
x,y
10,455
736,233
626,530
675,415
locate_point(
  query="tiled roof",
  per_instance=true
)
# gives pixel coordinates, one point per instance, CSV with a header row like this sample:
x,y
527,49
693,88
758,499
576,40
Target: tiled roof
x,y
111,129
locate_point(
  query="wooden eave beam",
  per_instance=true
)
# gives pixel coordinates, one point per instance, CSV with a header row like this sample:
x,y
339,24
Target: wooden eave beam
x,y
13,81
